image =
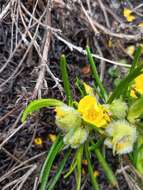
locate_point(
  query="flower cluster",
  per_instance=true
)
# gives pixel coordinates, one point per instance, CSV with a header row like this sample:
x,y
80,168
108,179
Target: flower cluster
x,y
115,121
74,122
120,134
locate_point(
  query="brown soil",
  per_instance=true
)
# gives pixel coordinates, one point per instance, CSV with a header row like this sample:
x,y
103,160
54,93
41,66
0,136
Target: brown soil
x,y
23,75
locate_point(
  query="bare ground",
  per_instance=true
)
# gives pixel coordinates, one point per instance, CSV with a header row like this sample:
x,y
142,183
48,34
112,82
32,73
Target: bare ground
x,y
33,35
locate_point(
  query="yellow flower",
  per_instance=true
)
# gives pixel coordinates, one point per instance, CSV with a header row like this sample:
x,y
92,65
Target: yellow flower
x,y
84,162
128,15
52,137
38,141
89,90
67,117
92,112
120,136
96,173
137,86
130,50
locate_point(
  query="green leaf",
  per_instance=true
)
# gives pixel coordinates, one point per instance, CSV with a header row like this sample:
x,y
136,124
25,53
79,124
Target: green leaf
x,y
139,159
106,168
135,110
65,78
137,154
79,160
80,87
54,180
136,58
122,88
38,104
90,168
95,74
56,147
72,167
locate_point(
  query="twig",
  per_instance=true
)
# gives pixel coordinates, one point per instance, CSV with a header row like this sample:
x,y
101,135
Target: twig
x,y
134,37
35,184
26,175
43,61
89,19
16,169
23,58
11,135
11,183
6,9
44,65
21,180
10,155
82,51
104,12
30,144
39,22
8,114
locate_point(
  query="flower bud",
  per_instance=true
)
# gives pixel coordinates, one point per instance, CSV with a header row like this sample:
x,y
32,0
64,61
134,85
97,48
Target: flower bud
x,y
67,118
76,137
118,109
121,136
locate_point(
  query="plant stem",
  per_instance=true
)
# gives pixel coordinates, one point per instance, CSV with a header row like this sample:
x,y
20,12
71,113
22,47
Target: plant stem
x,y
136,58
108,172
95,74
79,160
65,78
58,144
90,168
123,85
54,180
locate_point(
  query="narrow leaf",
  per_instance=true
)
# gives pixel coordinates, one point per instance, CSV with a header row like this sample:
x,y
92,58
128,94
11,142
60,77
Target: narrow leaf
x,y
65,78
56,147
95,74
135,110
136,58
79,160
108,172
123,85
38,104
90,168
54,180
72,167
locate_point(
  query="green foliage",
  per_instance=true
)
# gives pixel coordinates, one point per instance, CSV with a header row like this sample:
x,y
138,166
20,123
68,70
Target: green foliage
x,y
106,168
89,138
135,110
90,168
55,149
97,81
137,155
65,78
35,105
122,88
113,71
79,166
58,173
135,70
136,61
